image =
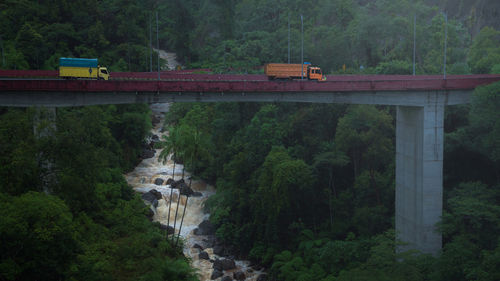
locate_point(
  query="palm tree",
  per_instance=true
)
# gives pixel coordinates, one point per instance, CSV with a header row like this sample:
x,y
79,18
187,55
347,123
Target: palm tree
x,y
170,145
195,144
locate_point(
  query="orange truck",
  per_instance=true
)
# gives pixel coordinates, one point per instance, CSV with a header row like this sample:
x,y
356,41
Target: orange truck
x,y
293,71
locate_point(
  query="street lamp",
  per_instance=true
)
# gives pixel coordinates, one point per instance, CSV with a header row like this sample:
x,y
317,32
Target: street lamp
x,y
302,52
150,46
288,38
158,46
445,40
414,40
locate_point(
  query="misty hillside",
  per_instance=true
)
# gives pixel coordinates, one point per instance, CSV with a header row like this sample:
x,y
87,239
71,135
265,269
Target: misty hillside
x,y
476,14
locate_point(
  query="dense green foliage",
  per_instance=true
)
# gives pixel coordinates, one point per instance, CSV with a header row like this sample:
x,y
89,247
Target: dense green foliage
x,y
92,226
241,36
36,33
308,190
365,36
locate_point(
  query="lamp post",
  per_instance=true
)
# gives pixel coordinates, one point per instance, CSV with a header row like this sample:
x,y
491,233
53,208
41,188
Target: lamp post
x,y
150,46
288,38
158,46
302,52
414,40
445,41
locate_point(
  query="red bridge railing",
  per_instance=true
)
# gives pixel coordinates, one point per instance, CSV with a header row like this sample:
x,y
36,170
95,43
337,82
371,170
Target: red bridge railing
x,y
212,83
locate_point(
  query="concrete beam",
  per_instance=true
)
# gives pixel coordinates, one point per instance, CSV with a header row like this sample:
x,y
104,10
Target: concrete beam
x,y
61,99
419,174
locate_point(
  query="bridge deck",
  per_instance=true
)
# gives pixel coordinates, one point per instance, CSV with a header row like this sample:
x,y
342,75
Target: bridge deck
x,y
212,83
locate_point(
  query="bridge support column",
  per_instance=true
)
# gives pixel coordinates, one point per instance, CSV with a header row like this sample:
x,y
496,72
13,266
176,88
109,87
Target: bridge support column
x,y
419,174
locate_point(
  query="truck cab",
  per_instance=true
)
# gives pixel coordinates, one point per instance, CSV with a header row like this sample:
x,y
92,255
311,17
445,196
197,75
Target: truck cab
x,y
103,73
314,73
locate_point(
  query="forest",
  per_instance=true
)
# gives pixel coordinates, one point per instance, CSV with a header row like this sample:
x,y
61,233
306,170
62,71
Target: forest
x,y
306,190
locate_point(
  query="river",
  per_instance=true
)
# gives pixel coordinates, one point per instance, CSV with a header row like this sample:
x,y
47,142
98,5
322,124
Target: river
x,y
142,179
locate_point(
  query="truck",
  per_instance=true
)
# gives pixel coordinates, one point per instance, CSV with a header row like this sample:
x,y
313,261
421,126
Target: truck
x,y
293,71
75,68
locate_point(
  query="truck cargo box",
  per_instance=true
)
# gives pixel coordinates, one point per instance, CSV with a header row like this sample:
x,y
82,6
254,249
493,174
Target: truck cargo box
x,y
80,68
78,62
284,70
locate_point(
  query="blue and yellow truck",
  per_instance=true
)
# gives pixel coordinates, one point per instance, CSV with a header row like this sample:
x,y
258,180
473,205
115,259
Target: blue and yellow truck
x,y
74,68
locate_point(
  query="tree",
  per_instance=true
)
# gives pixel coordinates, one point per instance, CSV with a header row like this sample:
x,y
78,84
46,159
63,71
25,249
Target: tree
x,y
29,41
39,240
324,165
365,134
485,120
19,170
283,195
169,145
484,52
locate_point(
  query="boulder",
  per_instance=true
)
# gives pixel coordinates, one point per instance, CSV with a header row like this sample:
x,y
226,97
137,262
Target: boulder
x,y
156,193
197,194
150,198
170,182
239,275
198,246
147,153
205,228
224,264
219,250
217,265
158,181
228,264
203,256
216,274
262,277
226,278
176,184
168,228
186,190
209,241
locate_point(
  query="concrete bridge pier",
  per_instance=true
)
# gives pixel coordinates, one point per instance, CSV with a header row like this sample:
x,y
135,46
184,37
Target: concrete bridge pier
x,y
419,173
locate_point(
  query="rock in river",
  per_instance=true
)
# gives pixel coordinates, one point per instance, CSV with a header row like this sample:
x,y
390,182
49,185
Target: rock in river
x,y
216,274
238,275
205,228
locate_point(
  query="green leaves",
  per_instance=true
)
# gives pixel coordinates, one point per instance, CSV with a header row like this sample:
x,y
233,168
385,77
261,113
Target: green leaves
x,y
484,53
18,153
38,237
485,119
365,134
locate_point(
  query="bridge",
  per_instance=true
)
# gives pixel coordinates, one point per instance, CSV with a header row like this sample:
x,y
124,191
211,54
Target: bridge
x,y
420,102
144,88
